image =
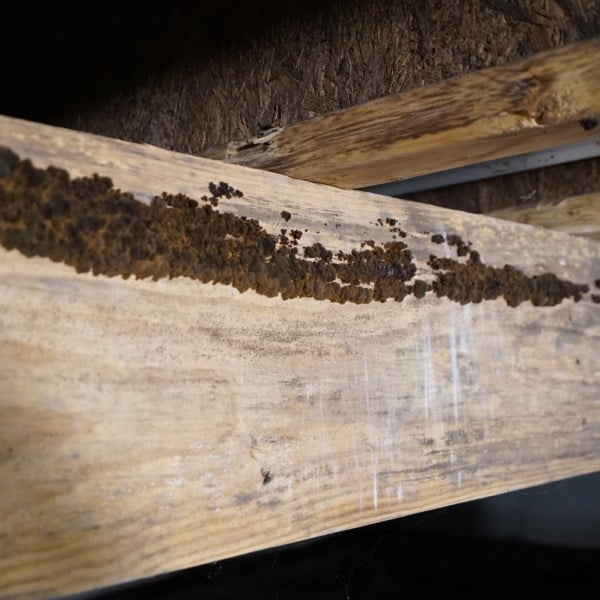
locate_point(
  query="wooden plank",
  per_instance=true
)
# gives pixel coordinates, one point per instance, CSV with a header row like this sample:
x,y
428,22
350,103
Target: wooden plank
x,y
577,215
548,100
150,426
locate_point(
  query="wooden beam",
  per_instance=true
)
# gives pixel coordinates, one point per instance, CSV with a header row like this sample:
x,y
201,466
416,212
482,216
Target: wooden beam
x,y
548,100
149,425
577,215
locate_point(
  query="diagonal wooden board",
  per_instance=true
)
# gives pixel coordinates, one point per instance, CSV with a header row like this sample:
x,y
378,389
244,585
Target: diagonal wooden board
x,y
150,426
546,101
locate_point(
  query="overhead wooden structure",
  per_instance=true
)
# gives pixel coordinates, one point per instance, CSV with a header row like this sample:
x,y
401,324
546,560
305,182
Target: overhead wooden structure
x,y
150,426
548,100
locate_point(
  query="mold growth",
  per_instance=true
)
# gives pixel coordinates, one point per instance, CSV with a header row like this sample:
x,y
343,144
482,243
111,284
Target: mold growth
x,y
90,225
473,281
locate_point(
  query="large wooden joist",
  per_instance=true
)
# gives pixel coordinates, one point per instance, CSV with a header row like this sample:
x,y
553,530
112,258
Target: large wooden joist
x,y
546,101
148,426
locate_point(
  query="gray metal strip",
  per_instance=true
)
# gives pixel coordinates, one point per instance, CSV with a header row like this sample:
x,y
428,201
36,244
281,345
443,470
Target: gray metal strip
x,y
588,148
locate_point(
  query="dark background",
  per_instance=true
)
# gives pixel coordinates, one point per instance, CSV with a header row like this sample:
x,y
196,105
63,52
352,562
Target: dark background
x,y
191,75
541,542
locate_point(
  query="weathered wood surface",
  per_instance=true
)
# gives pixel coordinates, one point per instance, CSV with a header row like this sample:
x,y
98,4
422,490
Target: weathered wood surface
x,y
548,100
577,215
139,419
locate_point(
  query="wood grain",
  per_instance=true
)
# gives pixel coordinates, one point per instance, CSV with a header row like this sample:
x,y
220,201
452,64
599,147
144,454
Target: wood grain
x,y
139,418
540,103
577,215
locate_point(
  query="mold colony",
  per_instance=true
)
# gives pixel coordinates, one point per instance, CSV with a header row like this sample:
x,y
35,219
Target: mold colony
x,y
92,226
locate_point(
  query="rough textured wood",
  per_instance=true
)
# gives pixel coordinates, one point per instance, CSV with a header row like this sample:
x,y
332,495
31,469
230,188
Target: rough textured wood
x,y
139,418
549,100
577,215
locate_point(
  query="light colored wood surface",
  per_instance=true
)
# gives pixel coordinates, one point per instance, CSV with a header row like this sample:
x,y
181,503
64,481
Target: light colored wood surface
x,y
138,418
577,215
490,114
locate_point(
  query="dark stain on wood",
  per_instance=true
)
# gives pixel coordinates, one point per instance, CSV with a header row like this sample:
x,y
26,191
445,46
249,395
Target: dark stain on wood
x,y
588,124
91,226
266,476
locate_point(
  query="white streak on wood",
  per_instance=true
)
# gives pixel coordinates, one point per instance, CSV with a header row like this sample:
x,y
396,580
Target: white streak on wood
x,y
459,478
375,491
357,471
176,481
366,383
465,330
454,366
399,492
428,373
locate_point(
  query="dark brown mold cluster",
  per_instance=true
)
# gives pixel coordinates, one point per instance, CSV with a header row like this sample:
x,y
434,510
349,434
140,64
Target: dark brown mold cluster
x,y
92,226
223,190
472,281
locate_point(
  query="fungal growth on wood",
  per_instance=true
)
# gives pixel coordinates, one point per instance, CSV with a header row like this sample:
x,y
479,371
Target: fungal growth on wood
x,y
90,225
